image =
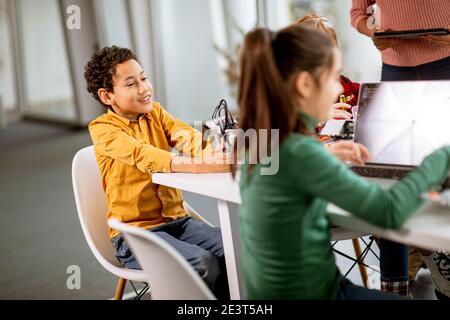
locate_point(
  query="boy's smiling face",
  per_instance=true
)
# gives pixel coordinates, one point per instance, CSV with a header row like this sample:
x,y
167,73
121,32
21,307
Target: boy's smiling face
x,y
132,91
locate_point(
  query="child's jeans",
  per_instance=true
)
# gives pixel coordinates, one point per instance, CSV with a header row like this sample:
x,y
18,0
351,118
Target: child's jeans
x,y
394,267
349,291
199,243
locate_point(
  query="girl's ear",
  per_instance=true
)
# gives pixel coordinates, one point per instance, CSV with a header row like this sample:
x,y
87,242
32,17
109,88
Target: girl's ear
x,y
304,84
105,96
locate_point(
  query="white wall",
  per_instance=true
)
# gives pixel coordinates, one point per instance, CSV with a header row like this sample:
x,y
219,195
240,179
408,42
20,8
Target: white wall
x,y
278,14
361,60
192,77
241,14
230,20
115,27
140,13
145,22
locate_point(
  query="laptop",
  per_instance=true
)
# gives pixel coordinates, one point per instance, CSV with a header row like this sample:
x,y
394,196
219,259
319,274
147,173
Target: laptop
x,y
401,123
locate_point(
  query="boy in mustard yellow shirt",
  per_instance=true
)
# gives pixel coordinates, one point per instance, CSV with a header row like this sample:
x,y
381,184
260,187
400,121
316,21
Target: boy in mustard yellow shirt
x,y
132,140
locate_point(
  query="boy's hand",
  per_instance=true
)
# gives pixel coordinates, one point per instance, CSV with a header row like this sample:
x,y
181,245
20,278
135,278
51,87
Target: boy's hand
x,y
218,162
348,151
214,163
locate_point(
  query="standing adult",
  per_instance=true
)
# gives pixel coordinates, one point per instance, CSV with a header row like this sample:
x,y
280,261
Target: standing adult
x,y
423,58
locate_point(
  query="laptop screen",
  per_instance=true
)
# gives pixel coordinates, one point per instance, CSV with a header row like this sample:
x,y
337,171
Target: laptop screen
x,y
403,122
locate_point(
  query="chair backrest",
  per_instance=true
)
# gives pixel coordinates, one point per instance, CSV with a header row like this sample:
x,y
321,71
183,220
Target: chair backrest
x,y
91,206
170,275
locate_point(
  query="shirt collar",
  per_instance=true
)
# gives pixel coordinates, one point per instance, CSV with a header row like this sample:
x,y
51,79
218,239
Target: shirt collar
x,y
125,120
120,118
148,116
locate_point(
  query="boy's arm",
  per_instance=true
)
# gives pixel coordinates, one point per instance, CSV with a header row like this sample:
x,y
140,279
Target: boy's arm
x,y
182,136
112,142
208,164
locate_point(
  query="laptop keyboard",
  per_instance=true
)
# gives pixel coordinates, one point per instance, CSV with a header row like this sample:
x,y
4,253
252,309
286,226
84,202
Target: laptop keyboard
x,y
388,173
385,173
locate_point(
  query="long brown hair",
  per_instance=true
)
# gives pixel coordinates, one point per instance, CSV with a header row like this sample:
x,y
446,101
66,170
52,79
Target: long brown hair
x,y
269,62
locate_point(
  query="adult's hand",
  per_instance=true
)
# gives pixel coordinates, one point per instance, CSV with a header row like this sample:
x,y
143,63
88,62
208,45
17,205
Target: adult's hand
x,y
383,43
441,40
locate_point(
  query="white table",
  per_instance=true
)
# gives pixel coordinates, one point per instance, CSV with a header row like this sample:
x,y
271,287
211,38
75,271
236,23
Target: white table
x,y
428,228
222,187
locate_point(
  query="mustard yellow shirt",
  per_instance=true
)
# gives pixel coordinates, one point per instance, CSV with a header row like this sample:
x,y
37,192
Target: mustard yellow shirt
x,y
128,152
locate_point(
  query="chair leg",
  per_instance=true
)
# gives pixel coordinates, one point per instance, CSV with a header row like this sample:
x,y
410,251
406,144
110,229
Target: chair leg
x,y
362,268
120,288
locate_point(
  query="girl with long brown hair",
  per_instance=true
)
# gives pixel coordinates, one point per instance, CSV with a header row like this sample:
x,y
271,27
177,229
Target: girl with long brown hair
x,y
289,80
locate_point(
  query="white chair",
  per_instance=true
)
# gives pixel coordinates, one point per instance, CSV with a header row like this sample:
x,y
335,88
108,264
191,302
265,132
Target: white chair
x,y
171,276
92,211
190,211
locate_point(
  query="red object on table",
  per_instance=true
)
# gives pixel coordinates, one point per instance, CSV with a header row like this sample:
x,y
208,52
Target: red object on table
x,y
351,91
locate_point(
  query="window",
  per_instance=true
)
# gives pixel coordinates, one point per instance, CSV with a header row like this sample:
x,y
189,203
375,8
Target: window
x,y
48,83
8,93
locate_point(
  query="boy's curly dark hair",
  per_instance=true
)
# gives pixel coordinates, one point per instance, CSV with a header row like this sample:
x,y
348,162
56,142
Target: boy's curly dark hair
x,y
99,71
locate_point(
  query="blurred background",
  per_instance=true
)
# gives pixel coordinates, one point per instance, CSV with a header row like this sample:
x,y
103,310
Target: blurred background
x,y
188,49
185,47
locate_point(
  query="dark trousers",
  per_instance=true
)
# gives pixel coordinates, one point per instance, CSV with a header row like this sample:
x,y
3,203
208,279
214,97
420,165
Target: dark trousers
x,y
394,256
349,291
393,261
437,70
199,243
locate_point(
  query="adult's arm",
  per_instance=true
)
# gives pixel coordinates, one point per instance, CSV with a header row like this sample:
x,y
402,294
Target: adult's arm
x,y
359,22
358,16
